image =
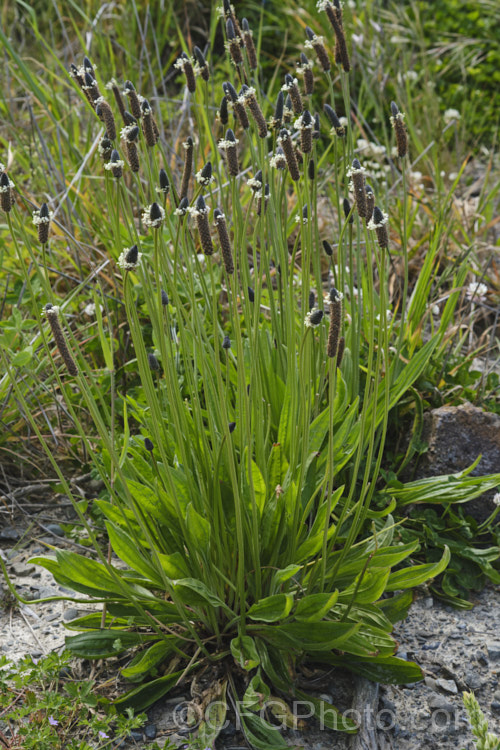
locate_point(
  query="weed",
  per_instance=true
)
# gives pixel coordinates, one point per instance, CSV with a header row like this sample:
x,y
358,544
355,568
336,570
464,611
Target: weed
x,y
239,429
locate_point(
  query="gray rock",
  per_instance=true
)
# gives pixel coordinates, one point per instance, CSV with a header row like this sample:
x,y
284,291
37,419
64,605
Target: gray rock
x,y
430,682
456,435
55,529
136,735
473,680
440,703
449,686
493,648
9,534
150,731
21,570
71,613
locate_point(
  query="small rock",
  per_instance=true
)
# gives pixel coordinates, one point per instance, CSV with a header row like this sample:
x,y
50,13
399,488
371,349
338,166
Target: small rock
x,y
21,570
428,602
9,534
431,646
473,680
70,613
496,695
55,529
430,682
449,686
482,658
493,648
136,735
150,731
439,703
495,706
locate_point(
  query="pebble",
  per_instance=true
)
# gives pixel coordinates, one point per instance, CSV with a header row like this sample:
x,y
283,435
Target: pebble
x,y
136,735
482,658
9,534
439,703
150,731
55,529
70,613
449,686
473,680
493,648
21,570
495,706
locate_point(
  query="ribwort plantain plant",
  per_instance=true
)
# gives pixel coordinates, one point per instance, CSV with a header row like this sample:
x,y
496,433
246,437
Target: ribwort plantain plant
x,y
241,467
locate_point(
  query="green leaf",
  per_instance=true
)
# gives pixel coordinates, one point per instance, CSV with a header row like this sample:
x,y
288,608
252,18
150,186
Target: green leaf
x,y
371,587
198,529
259,487
244,651
103,643
277,467
142,663
273,664
93,621
256,693
23,358
81,574
260,733
314,607
167,612
272,608
129,551
193,592
389,670
328,715
144,696
450,488
417,574
280,576
287,422
396,608
174,565
321,636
